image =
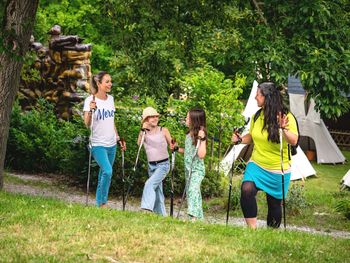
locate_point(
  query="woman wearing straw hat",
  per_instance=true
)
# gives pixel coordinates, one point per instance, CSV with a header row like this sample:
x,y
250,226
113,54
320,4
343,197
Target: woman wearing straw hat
x,y
156,140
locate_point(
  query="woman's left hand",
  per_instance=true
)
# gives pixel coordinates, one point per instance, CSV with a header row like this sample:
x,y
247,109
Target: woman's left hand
x,y
282,121
122,144
201,134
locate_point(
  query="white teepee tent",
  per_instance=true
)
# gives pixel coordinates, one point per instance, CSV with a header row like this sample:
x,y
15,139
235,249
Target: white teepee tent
x,y
311,124
345,181
301,167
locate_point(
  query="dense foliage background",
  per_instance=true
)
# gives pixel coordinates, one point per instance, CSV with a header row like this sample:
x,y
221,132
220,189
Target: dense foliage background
x,y
149,45
178,54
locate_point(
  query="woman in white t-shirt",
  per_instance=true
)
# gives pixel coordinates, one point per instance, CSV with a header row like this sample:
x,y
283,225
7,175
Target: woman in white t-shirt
x,y
104,133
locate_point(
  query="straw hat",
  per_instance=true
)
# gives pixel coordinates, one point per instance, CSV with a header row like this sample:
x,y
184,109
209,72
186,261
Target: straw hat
x,y
147,112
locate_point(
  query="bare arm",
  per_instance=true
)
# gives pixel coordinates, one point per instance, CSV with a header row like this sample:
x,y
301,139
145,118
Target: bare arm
x,y
144,126
139,137
88,114
289,136
246,139
167,135
87,118
121,141
181,150
202,150
116,133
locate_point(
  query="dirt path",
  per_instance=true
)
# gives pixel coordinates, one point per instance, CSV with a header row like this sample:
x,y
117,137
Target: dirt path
x,y
48,188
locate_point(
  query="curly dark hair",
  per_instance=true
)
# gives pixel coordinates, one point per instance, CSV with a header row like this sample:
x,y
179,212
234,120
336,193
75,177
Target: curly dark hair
x,y
272,107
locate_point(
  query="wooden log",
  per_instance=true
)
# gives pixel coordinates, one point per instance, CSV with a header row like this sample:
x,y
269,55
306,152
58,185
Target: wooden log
x,y
37,92
71,73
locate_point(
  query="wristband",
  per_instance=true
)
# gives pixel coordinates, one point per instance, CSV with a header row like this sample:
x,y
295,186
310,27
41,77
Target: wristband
x,y
239,141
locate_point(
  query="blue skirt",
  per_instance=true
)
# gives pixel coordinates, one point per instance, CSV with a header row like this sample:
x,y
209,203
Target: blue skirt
x,y
270,183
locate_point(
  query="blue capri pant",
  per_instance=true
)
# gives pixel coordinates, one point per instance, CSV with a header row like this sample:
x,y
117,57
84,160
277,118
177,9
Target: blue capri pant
x,y
153,196
104,156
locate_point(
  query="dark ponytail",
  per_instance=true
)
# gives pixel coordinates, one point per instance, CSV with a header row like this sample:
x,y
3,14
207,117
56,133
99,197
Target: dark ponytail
x,y
97,79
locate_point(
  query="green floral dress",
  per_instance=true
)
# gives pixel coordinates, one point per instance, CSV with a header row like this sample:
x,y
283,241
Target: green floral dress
x,y
194,196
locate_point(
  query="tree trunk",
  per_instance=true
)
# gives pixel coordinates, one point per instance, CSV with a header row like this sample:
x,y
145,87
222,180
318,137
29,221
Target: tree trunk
x,y
16,29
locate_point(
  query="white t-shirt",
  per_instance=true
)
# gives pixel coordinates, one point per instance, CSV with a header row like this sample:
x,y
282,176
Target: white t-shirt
x,y
103,132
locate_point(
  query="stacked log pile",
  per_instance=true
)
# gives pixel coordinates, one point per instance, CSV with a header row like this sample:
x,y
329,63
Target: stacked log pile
x,y
60,74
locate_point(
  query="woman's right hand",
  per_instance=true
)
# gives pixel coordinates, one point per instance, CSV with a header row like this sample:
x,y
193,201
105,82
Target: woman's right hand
x,y
235,137
145,126
174,146
93,105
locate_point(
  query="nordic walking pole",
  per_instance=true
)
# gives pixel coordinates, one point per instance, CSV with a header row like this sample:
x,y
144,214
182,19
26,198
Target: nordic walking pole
x,y
136,161
140,146
237,132
282,170
187,185
90,150
230,186
173,141
122,142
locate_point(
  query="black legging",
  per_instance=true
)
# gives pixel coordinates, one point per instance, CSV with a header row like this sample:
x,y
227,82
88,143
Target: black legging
x,y
250,208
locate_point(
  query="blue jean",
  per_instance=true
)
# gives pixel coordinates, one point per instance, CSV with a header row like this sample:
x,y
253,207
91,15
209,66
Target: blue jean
x,y
153,196
104,156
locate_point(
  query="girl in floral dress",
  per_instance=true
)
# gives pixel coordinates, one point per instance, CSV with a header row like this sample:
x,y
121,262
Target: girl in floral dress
x,y
194,161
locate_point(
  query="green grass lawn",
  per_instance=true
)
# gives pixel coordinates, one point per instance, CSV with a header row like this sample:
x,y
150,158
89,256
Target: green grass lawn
x,y
321,194
34,229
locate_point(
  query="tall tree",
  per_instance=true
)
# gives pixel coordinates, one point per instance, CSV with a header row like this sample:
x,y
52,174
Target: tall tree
x,y
18,21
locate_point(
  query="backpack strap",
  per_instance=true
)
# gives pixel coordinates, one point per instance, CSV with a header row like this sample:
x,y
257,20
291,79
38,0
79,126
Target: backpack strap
x,y
289,152
290,146
257,114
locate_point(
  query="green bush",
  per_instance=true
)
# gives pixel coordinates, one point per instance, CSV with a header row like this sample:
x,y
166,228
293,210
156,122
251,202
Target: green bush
x,y
235,198
212,184
39,142
296,200
343,206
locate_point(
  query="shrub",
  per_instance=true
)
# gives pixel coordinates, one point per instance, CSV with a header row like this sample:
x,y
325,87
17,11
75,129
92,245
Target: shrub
x,y
343,206
235,198
39,142
296,200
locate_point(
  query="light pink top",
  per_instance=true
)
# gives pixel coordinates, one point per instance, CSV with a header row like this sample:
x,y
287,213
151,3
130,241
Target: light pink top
x,y
156,146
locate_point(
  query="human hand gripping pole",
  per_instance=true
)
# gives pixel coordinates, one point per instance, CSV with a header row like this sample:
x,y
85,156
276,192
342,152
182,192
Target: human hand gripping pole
x,y
90,150
187,185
